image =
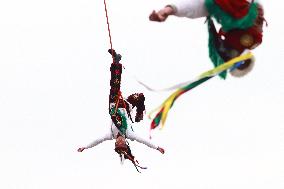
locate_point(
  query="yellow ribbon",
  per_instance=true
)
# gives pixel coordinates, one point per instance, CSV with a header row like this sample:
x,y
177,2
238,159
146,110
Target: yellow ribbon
x,y
168,102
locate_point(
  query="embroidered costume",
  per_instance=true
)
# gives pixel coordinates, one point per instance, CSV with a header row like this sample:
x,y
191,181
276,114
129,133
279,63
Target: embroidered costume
x,y
241,30
241,27
120,112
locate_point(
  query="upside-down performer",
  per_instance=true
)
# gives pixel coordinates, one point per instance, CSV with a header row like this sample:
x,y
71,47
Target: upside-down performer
x,y
241,30
241,27
120,111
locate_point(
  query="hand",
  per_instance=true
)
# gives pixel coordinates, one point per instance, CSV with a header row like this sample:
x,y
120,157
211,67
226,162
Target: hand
x,y
161,15
161,150
81,149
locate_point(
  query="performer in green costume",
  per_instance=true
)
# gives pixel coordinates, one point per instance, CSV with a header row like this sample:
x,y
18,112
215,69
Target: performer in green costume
x,y
241,27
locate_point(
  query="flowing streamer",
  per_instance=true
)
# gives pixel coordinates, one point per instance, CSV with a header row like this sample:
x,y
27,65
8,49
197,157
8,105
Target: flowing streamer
x,y
163,109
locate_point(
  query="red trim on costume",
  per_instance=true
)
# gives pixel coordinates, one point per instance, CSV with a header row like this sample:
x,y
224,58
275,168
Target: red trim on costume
x,y
233,38
236,8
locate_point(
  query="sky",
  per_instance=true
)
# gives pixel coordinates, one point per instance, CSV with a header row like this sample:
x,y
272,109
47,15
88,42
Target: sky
x,y
54,85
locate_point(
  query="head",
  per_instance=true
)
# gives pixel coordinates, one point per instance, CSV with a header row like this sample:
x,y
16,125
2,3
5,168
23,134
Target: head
x,y
120,144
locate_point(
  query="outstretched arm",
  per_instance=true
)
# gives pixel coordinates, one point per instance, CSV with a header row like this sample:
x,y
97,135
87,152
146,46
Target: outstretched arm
x,y
182,8
132,136
162,14
96,142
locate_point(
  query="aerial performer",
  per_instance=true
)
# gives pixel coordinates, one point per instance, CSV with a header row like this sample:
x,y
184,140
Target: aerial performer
x,y
241,30
120,110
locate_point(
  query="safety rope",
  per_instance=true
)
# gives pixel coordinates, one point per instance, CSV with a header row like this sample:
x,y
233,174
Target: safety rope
x,y
109,33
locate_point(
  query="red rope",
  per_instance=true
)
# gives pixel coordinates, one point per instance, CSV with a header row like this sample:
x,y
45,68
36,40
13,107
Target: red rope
x,y
119,97
109,35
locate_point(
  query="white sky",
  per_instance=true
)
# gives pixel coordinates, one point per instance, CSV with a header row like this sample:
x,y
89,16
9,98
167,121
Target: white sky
x,y
54,85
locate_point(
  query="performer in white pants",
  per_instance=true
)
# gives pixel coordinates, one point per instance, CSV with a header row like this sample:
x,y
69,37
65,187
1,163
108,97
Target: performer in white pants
x,y
120,112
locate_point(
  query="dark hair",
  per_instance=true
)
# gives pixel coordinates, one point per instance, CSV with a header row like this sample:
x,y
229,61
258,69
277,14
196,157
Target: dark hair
x,y
137,100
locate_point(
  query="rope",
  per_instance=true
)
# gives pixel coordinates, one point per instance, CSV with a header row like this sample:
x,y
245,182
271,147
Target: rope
x,y
119,97
109,33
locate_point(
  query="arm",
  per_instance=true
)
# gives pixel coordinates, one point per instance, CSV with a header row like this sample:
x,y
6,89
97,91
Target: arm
x,y
162,14
132,136
182,8
96,142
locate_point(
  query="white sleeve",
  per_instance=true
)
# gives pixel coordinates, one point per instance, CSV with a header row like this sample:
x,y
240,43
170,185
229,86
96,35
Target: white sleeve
x,y
190,8
132,136
108,136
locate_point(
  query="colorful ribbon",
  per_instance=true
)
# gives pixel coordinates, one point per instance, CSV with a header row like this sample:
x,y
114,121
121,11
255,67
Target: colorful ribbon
x,y
164,108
